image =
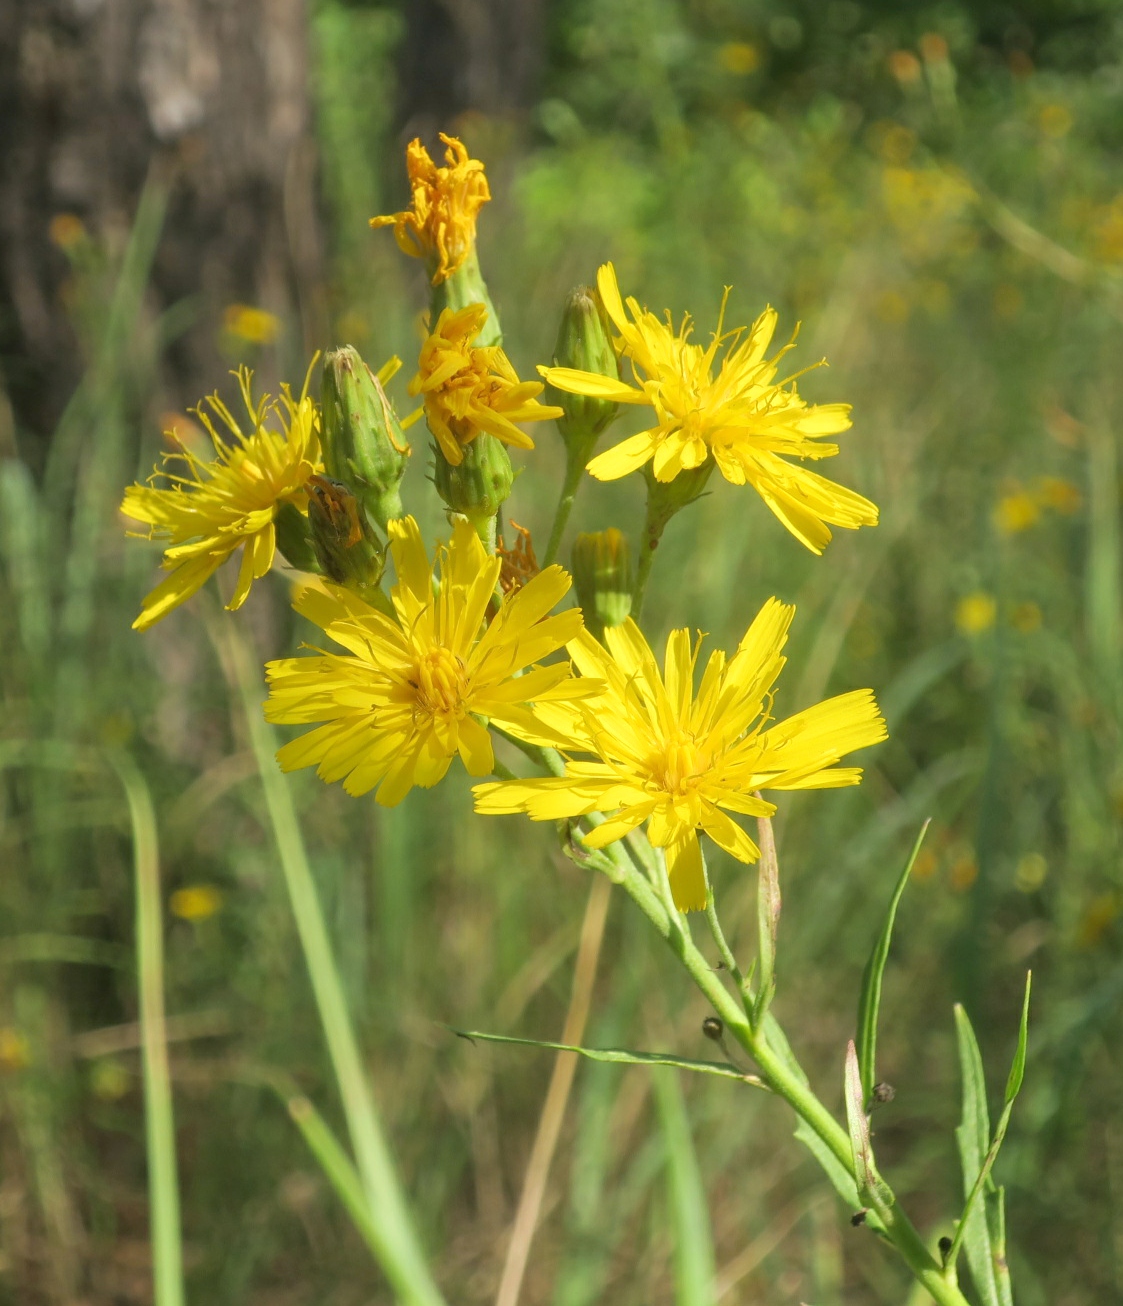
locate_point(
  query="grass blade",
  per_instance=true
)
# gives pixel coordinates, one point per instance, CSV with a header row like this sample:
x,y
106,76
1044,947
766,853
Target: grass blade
x,y
618,1056
338,1169
163,1184
694,1248
869,1004
401,1255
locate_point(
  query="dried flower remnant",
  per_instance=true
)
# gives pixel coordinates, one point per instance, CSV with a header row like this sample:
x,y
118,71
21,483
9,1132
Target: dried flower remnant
x,y
440,227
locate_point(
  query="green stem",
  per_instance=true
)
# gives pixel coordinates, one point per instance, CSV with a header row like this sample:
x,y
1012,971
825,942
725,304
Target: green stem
x,y
575,461
780,1077
653,527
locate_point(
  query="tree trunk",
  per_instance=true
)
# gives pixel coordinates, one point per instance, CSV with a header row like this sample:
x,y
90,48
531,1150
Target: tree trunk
x,y
96,93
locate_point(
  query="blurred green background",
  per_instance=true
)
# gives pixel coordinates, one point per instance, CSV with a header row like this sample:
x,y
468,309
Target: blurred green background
x,y
935,194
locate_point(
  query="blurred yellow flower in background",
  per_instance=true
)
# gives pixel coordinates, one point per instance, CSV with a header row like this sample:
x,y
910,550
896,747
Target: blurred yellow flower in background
x,y
256,326
15,1052
975,612
1061,495
467,389
740,57
1026,617
682,761
742,417
66,230
441,225
227,504
196,902
1016,512
413,690
1055,120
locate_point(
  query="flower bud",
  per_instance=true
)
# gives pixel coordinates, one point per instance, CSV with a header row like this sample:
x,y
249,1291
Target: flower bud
x,y
665,498
363,445
602,578
477,486
347,545
584,343
294,538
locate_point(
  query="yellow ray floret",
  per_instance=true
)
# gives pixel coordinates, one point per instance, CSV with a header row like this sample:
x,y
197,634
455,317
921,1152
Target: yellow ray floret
x,y
733,410
412,691
441,225
467,389
682,760
212,509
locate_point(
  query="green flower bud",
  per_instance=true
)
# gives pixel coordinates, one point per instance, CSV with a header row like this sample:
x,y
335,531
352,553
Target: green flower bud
x,y
584,343
363,444
347,545
602,578
479,485
665,498
294,538
463,287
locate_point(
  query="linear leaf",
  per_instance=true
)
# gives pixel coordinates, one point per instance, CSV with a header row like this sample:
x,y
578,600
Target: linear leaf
x,y
768,904
1018,1068
973,1137
870,1001
620,1056
872,1189
694,1247
835,1171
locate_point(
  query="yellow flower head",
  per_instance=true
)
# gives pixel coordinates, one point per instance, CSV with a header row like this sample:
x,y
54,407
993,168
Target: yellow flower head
x,y
412,692
215,508
735,411
680,760
441,226
467,389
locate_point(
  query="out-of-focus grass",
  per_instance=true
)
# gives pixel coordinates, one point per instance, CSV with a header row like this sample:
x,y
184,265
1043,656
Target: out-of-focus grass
x,y
946,222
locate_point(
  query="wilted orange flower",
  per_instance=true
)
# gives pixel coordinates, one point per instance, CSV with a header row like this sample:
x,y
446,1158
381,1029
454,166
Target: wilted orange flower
x,y
441,225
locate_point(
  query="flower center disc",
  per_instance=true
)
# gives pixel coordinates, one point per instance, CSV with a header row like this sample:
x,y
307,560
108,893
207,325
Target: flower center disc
x,y
441,683
680,766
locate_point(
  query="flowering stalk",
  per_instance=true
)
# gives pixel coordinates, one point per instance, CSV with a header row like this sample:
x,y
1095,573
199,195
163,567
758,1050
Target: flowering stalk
x,y
785,1080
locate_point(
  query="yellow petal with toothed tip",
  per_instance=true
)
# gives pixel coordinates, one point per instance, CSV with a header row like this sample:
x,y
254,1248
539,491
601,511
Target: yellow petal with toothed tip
x,y
687,873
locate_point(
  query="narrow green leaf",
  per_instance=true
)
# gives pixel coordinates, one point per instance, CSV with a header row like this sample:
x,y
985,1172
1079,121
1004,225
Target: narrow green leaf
x,y
694,1249
870,1001
985,1204
973,1136
872,1189
768,904
1018,1068
836,1172
618,1056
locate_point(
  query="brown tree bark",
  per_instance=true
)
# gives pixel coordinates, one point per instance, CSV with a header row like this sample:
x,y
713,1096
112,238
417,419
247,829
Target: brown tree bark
x,y
94,94
461,55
